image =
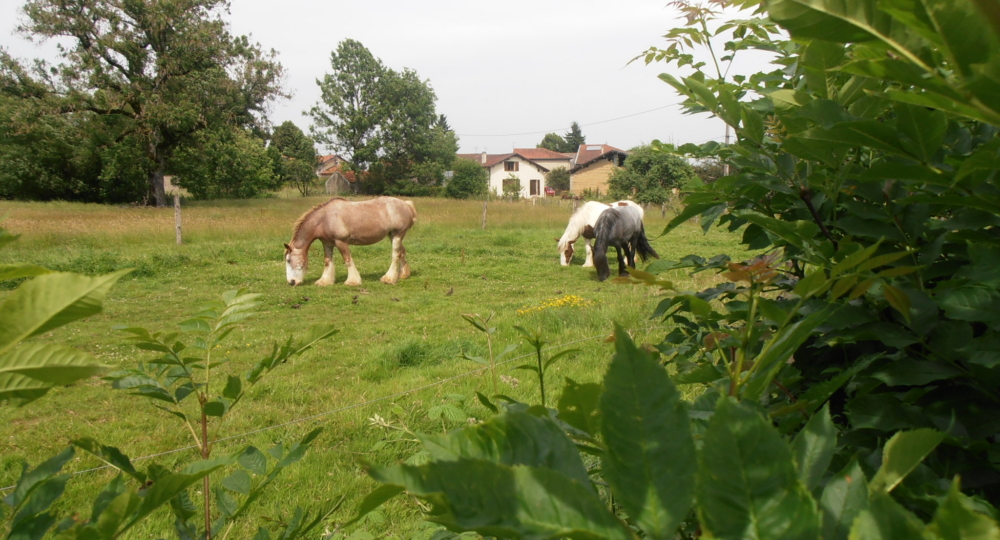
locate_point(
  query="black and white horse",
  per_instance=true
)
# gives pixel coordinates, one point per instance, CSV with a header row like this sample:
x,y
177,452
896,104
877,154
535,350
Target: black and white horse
x,y
620,227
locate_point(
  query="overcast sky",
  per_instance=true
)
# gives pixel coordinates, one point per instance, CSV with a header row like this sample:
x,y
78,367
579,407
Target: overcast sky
x,y
505,73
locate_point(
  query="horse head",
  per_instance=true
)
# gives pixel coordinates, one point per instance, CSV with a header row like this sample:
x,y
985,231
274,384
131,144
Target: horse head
x,y
565,252
296,261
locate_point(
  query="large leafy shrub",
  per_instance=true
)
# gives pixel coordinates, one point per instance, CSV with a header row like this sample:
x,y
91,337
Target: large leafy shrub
x,y
849,375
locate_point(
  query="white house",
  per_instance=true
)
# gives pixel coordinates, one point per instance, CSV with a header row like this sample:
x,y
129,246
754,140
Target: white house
x,y
529,165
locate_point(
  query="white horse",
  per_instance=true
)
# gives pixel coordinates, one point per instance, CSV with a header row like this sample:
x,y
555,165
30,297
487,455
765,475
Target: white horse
x,y
582,223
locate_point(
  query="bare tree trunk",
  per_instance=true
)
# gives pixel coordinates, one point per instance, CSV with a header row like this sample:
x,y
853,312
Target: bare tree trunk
x,y
156,190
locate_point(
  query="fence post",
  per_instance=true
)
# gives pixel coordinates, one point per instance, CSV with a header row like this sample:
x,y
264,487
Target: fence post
x,y
177,216
485,201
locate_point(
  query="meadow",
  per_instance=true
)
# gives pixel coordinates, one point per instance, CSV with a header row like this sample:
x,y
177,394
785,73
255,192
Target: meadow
x,y
395,361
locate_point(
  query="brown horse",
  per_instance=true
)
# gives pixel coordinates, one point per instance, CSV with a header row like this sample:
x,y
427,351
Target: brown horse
x,y
342,223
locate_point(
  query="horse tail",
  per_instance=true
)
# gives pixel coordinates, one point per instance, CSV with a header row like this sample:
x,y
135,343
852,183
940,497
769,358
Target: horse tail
x,y
642,247
603,230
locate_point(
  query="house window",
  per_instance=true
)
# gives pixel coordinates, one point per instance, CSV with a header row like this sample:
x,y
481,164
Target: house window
x,y
510,166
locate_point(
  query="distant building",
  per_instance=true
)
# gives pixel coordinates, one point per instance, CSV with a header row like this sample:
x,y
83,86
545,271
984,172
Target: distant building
x,y
590,167
336,180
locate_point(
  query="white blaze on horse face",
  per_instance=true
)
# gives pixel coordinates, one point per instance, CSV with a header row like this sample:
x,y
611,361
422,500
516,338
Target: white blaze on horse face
x,y
568,254
295,265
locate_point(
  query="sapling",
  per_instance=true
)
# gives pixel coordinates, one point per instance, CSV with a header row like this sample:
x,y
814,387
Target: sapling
x,y
534,338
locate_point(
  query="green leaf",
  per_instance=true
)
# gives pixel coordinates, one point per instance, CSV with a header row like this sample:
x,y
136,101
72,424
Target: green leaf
x,y
217,407
239,482
376,498
844,497
898,299
225,502
578,405
54,364
30,480
111,456
747,483
778,350
512,438
971,303
924,129
253,460
111,518
813,448
904,451
650,458
955,521
18,271
507,502
50,301
171,485
486,402
234,386
885,519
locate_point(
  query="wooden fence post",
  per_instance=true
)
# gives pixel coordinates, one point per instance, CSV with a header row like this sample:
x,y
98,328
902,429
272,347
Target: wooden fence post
x,y
177,216
485,201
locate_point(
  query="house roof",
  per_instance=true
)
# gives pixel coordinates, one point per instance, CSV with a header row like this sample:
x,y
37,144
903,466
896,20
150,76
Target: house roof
x,y
589,153
540,153
494,159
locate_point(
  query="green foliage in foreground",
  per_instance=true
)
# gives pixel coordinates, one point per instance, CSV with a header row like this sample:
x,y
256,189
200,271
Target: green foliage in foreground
x,y
743,480
50,300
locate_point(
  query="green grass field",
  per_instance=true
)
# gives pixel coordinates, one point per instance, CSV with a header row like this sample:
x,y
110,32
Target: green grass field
x,y
396,355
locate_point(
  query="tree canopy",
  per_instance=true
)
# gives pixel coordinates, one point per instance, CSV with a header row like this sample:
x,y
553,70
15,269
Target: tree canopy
x,y
469,179
294,157
649,176
146,77
382,120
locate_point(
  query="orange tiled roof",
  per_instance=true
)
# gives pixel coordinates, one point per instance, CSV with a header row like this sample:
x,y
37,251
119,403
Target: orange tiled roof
x,y
539,153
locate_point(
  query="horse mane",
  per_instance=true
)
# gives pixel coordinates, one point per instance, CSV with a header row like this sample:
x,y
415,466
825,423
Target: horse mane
x,y
576,224
304,216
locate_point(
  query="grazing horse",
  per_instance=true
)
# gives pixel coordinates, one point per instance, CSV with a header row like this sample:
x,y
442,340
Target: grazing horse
x,y
621,227
582,223
341,223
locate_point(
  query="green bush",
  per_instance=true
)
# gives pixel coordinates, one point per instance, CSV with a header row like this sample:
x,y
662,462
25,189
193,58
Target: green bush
x,y
649,176
469,179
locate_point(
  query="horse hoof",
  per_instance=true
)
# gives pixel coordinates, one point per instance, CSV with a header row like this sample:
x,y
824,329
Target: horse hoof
x,y
388,281
588,265
352,283
322,283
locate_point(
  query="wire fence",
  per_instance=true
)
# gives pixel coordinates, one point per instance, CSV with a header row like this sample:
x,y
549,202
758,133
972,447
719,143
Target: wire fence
x,y
346,407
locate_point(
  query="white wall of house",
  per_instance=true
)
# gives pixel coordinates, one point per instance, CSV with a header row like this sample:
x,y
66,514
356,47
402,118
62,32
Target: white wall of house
x,y
526,171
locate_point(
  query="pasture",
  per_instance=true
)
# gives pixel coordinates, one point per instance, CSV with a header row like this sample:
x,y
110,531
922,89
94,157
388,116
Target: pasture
x,y
396,354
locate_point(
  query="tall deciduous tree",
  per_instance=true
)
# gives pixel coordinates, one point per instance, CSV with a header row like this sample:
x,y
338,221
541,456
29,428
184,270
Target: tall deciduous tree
x,y
384,121
156,71
352,109
295,155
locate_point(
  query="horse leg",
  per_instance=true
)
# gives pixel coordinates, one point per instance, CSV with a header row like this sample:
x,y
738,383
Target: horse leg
x,y
621,260
353,277
391,276
589,261
405,272
329,268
